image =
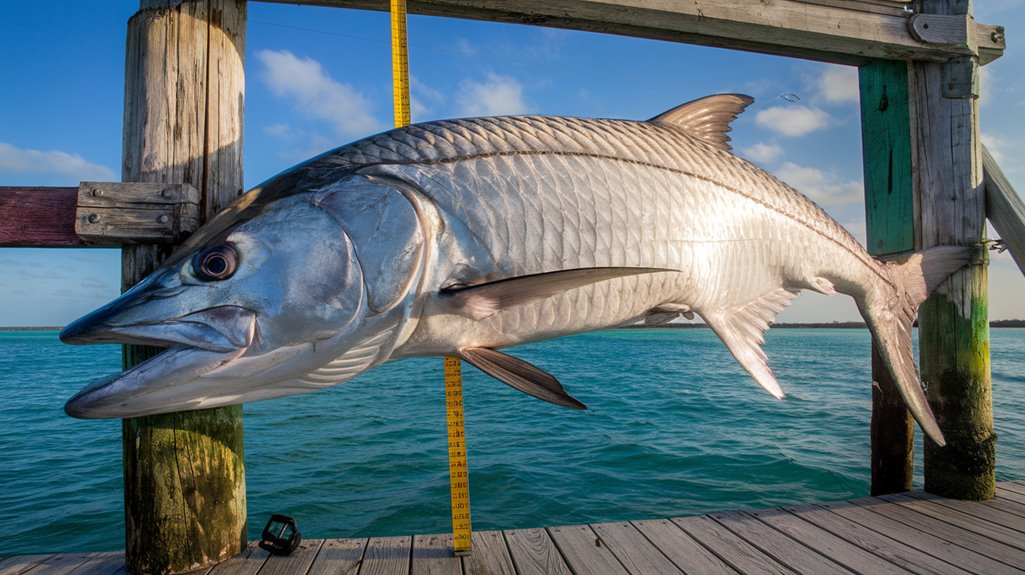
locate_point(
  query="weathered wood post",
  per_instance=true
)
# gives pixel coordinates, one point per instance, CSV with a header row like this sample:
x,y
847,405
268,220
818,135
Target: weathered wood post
x,y
953,326
890,215
185,502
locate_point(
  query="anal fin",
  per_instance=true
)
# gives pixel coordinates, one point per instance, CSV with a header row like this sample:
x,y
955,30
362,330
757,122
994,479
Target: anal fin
x,y
520,375
742,328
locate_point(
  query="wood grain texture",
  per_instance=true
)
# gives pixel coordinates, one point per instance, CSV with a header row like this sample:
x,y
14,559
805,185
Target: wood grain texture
x,y
851,32
778,545
298,563
734,550
339,556
954,326
890,216
19,564
38,217
906,557
432,555
1004,208
387,556
824,543
534,553
490,555
866,514
681,548
184,88
582,549
634,551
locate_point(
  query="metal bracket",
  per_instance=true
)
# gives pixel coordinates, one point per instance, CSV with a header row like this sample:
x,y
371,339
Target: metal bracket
x,y
960,79
941,29
135,213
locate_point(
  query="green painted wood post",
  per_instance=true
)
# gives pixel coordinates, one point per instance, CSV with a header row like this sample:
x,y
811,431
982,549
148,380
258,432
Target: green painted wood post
x,y
890,216
184,476
953,324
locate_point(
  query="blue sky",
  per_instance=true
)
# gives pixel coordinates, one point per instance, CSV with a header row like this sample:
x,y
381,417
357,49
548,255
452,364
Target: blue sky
x,y
318,78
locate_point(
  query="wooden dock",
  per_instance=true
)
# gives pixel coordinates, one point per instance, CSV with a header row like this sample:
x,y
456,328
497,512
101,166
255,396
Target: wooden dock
x,y
911,533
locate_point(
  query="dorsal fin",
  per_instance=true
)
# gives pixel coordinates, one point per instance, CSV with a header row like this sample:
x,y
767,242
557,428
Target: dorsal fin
x,y
707,118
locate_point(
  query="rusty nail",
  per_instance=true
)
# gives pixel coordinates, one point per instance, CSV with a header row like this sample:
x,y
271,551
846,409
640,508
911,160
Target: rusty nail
x,y
93,218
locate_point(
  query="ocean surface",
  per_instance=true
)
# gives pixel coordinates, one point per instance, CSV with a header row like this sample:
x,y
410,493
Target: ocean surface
x,y
674,427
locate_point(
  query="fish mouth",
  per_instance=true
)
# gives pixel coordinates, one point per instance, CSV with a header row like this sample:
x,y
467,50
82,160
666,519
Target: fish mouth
x,y
197,342
170,381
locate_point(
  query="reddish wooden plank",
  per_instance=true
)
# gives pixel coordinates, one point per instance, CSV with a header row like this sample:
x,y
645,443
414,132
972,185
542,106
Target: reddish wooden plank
x,y
38,217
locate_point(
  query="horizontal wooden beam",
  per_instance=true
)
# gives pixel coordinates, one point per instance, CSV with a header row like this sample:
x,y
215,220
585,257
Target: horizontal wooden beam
x,y
97,214
843,32
38,217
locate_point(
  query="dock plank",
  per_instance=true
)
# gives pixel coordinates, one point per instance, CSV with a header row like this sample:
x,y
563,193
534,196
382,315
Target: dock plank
x,y
955,527
103,564
20,564
903,556
490,555
298,563
338,556
633,550
248,562
988,511
61,564
686,553
387,556
534,553
845,553
914,533
432,555
581,549
779,545
731,548
966,559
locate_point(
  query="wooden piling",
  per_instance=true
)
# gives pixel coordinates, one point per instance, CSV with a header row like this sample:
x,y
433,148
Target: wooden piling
x,y
185,504
953,326
890,215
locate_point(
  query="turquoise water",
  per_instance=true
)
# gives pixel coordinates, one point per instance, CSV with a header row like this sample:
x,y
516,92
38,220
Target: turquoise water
x,y
674,427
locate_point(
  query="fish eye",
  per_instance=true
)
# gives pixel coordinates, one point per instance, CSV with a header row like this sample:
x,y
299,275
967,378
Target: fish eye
x,y
215,263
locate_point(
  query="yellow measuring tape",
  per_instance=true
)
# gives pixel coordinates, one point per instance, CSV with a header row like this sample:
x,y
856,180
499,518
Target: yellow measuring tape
x,y
458,476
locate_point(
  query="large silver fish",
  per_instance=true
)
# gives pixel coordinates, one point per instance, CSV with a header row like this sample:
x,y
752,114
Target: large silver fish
x,y
463,237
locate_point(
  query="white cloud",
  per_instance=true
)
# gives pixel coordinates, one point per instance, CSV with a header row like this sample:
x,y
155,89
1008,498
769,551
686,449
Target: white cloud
x,y
793,120
824,188
762,153
421,98
495,96
297,145
314,92
995,145
55,165
839,84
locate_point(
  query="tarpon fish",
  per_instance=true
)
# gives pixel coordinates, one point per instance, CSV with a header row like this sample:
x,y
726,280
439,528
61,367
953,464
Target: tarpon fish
x,y
463,237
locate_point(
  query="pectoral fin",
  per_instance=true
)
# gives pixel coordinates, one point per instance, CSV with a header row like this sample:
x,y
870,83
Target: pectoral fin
x,y
520,375
480,301
742,329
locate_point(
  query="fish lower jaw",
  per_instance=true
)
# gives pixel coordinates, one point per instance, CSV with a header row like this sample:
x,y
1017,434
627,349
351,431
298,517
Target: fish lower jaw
x,y
167,382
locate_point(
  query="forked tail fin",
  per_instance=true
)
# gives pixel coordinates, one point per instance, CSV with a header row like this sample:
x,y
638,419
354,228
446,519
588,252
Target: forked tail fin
x,y
891,315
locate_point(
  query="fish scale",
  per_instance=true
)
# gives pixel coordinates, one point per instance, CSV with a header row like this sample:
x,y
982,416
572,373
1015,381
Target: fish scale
x,y
462,237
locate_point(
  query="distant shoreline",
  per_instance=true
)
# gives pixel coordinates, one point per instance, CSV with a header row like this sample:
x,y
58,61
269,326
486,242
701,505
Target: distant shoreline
x,y
829,325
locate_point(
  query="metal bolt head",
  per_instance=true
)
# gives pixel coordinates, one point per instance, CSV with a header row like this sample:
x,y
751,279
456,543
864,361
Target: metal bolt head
x,y
165,193
163,219
997,36
93,218
97,192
